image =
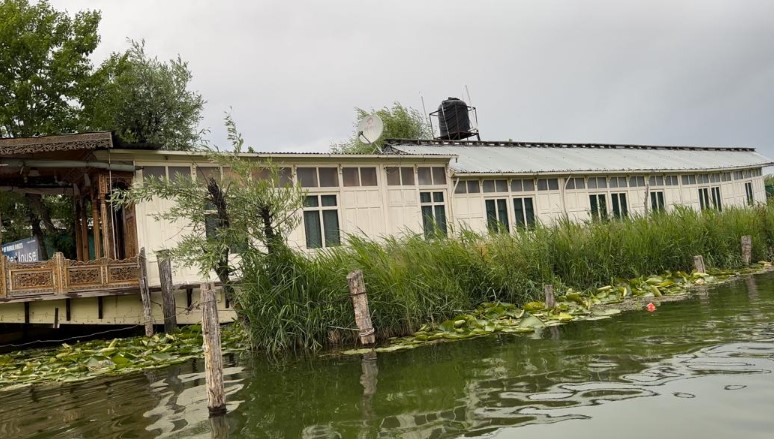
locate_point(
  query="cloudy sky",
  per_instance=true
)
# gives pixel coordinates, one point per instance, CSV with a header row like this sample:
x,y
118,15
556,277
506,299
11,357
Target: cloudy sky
x,y
668,72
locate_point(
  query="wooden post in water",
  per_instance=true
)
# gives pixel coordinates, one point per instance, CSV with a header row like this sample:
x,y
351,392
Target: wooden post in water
x,y
746,249
147,312
549,292
167,291
357,292
213,358
698,264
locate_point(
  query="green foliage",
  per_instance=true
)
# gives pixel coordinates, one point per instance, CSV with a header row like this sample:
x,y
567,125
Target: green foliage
x,y
145,100
44,54
251,211
301,302
399,123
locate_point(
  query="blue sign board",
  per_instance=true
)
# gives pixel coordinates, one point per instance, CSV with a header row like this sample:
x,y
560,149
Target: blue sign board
x,y
24,250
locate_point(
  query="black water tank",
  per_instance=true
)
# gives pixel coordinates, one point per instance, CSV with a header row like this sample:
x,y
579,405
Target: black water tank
x,y
453,119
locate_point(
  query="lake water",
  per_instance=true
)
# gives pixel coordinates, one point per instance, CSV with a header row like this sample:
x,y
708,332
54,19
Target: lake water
x,y
697,368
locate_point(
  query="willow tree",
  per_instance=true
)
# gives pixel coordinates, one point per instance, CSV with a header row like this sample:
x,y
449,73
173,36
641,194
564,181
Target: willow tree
x,y
400,122
247,211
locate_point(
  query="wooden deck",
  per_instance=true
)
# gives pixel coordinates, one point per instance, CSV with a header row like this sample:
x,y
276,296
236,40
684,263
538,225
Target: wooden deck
x,y
60,278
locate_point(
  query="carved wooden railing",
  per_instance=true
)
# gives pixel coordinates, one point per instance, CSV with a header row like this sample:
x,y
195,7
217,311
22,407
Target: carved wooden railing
x,y
60,276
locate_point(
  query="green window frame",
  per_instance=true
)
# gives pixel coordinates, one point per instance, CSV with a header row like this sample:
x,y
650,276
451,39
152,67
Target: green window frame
x,y
433,213
497,215
321,221
524,212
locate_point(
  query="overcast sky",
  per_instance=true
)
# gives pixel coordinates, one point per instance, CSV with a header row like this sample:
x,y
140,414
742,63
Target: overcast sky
x,y
667,72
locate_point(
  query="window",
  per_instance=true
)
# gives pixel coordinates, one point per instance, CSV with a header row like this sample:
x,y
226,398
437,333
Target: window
x,y
620,209
617,181
671,180
433,213
321,221
597,183
598,206
495,185
284,176
204,174
317,177
159,172
710,198
657,180
467,187
352,177
702,178
400,176
636,181
431,176
714,178
497,215
689,179
726,176
548,184
749,191
522,185
524,211
716,203
657,201
738,175
575,183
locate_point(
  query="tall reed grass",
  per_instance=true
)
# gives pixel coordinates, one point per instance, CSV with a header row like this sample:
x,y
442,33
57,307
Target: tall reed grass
x,y
294,301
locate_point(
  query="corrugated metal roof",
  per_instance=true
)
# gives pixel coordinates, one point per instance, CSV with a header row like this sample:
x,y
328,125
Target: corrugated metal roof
x,y
519,157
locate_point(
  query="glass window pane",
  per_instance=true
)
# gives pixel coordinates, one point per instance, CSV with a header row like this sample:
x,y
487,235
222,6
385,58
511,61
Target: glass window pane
x,y
331,227
393,176
553,184
592,183
461,188
438,197
516,186
542,184
502,214
350,177
440,218
329,177
501,185
177,172
307,177
368,177
601,182
285,176
311,201
427,221
407,176
529,185
424,197
423,173
473,187
439,175
489,186
579,183
529,211
518,209
204,174
328,200
491,215
312,229
154,171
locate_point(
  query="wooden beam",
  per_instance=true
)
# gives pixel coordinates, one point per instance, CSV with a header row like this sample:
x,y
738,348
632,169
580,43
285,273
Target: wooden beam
x,y
96,227
213,357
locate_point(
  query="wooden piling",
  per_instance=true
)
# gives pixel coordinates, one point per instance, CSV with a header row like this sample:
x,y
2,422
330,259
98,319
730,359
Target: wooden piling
x,y
746,249
147,312
549,292
213,358
698,264
357,293
167,291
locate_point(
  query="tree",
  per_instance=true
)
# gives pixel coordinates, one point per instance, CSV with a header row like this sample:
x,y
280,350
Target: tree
x,y
220,212
399,123
44,67
145,100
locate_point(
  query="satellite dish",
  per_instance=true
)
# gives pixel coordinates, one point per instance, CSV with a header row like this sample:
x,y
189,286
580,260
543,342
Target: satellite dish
x,y
369,129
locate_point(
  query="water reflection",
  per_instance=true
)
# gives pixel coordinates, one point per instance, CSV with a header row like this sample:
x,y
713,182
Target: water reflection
x,y
479,387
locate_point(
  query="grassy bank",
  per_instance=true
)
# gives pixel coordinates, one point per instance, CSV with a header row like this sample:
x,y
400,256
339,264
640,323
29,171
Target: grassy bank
x,y
293,301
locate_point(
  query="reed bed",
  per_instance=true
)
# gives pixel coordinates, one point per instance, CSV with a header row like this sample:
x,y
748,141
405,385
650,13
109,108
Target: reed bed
x,y
298,302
